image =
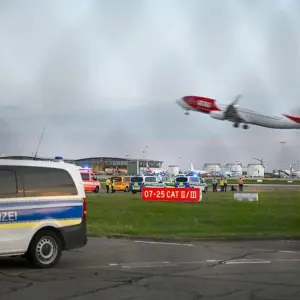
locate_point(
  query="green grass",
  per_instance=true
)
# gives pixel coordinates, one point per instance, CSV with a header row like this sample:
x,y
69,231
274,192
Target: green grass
x,y
275,214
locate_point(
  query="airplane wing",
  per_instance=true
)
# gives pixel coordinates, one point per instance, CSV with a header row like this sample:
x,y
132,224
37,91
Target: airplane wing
x,y
231,113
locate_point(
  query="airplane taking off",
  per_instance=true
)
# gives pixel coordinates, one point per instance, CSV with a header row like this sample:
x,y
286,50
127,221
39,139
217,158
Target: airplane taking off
x,y
235,114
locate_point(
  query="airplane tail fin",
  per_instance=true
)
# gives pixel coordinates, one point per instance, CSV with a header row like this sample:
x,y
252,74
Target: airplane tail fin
x,y
192,167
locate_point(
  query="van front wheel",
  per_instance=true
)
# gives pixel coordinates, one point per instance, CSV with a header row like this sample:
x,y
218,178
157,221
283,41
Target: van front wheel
x,y
45,249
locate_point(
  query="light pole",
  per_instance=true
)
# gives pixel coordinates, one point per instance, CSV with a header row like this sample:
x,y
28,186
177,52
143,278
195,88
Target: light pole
x,y
144,151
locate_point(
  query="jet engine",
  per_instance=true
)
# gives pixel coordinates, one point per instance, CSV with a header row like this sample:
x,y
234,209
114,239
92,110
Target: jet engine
x,y
219,115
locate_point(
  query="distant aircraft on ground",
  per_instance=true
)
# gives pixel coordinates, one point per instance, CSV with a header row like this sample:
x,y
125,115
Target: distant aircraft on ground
x,y
153,171
200,172
289,173
235,114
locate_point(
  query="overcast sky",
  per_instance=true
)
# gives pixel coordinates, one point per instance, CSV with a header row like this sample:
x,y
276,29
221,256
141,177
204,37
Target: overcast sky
x,y
103,76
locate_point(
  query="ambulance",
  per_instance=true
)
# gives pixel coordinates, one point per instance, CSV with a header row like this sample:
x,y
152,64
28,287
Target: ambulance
x,y
90,182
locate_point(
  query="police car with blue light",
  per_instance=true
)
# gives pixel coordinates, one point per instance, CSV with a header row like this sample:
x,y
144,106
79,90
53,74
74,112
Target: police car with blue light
x,y
137,182
193,181
42,210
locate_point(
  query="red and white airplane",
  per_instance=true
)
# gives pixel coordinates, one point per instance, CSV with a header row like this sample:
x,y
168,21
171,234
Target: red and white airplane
x,y
235,114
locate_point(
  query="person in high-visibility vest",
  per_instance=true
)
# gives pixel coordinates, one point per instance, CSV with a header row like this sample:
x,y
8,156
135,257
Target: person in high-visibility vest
x,y
107,184
222,184
112,185
225,184
214,184
241,184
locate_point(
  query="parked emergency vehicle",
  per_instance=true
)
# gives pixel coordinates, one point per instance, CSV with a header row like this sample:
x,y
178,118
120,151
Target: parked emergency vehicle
x,y
137,182
122,183
42,210
90,182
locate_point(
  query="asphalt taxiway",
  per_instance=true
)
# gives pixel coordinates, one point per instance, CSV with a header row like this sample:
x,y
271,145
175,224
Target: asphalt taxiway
x,y
127,270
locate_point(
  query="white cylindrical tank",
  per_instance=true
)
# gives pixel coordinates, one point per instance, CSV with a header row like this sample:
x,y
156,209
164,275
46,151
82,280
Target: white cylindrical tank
x,y
235,168
173,170
212,168
255,170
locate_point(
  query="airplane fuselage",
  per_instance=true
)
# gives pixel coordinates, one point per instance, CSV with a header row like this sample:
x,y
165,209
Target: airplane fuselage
x,y
235,114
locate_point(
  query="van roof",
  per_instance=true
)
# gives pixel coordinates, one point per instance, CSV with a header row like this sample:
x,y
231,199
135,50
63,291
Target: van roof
x,y
70,168
38,163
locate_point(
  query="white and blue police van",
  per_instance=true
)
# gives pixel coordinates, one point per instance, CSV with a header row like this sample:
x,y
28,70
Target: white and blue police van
x,y
137,182
42,210
198,182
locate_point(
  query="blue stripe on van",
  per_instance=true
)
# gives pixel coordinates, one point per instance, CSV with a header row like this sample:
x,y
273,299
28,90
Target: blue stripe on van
x,y
37,203
42,214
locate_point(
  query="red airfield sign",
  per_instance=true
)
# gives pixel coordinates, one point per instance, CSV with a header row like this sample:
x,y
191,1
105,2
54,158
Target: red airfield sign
x,y
174,194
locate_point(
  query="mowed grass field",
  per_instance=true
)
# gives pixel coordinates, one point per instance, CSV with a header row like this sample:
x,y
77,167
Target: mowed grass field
x,y
276,214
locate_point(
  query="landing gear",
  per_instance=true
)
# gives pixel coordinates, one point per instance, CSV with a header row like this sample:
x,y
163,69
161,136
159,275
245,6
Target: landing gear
x,y
245,126
236,125
187,113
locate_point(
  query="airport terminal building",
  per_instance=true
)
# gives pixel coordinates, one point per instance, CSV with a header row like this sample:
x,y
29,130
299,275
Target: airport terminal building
x,y
98,164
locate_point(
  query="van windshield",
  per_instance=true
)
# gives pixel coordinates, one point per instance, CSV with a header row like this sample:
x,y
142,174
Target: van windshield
x,y
181,179
136,179
194,179
116,179
85,176
150,179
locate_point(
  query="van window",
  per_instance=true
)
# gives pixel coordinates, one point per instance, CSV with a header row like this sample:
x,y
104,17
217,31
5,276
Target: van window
x,y
136,179
194,179
8,184
42,181
85,176
117,179
181,179
150,179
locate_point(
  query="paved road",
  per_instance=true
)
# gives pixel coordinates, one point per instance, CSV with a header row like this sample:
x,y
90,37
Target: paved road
x,y
127,270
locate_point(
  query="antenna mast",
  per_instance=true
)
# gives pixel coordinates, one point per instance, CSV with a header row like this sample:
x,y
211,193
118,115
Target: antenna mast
x,y
40,141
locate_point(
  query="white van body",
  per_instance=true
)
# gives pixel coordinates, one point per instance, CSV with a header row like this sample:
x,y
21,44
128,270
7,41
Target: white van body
x,y
42,205
197,182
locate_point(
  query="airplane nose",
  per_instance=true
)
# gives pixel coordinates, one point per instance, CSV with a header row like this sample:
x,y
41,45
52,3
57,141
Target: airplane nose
x,y
180,102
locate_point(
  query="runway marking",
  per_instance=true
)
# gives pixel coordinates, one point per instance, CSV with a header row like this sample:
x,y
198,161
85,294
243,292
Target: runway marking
x,y
247,261
280,251
132,265
212,260
164,243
